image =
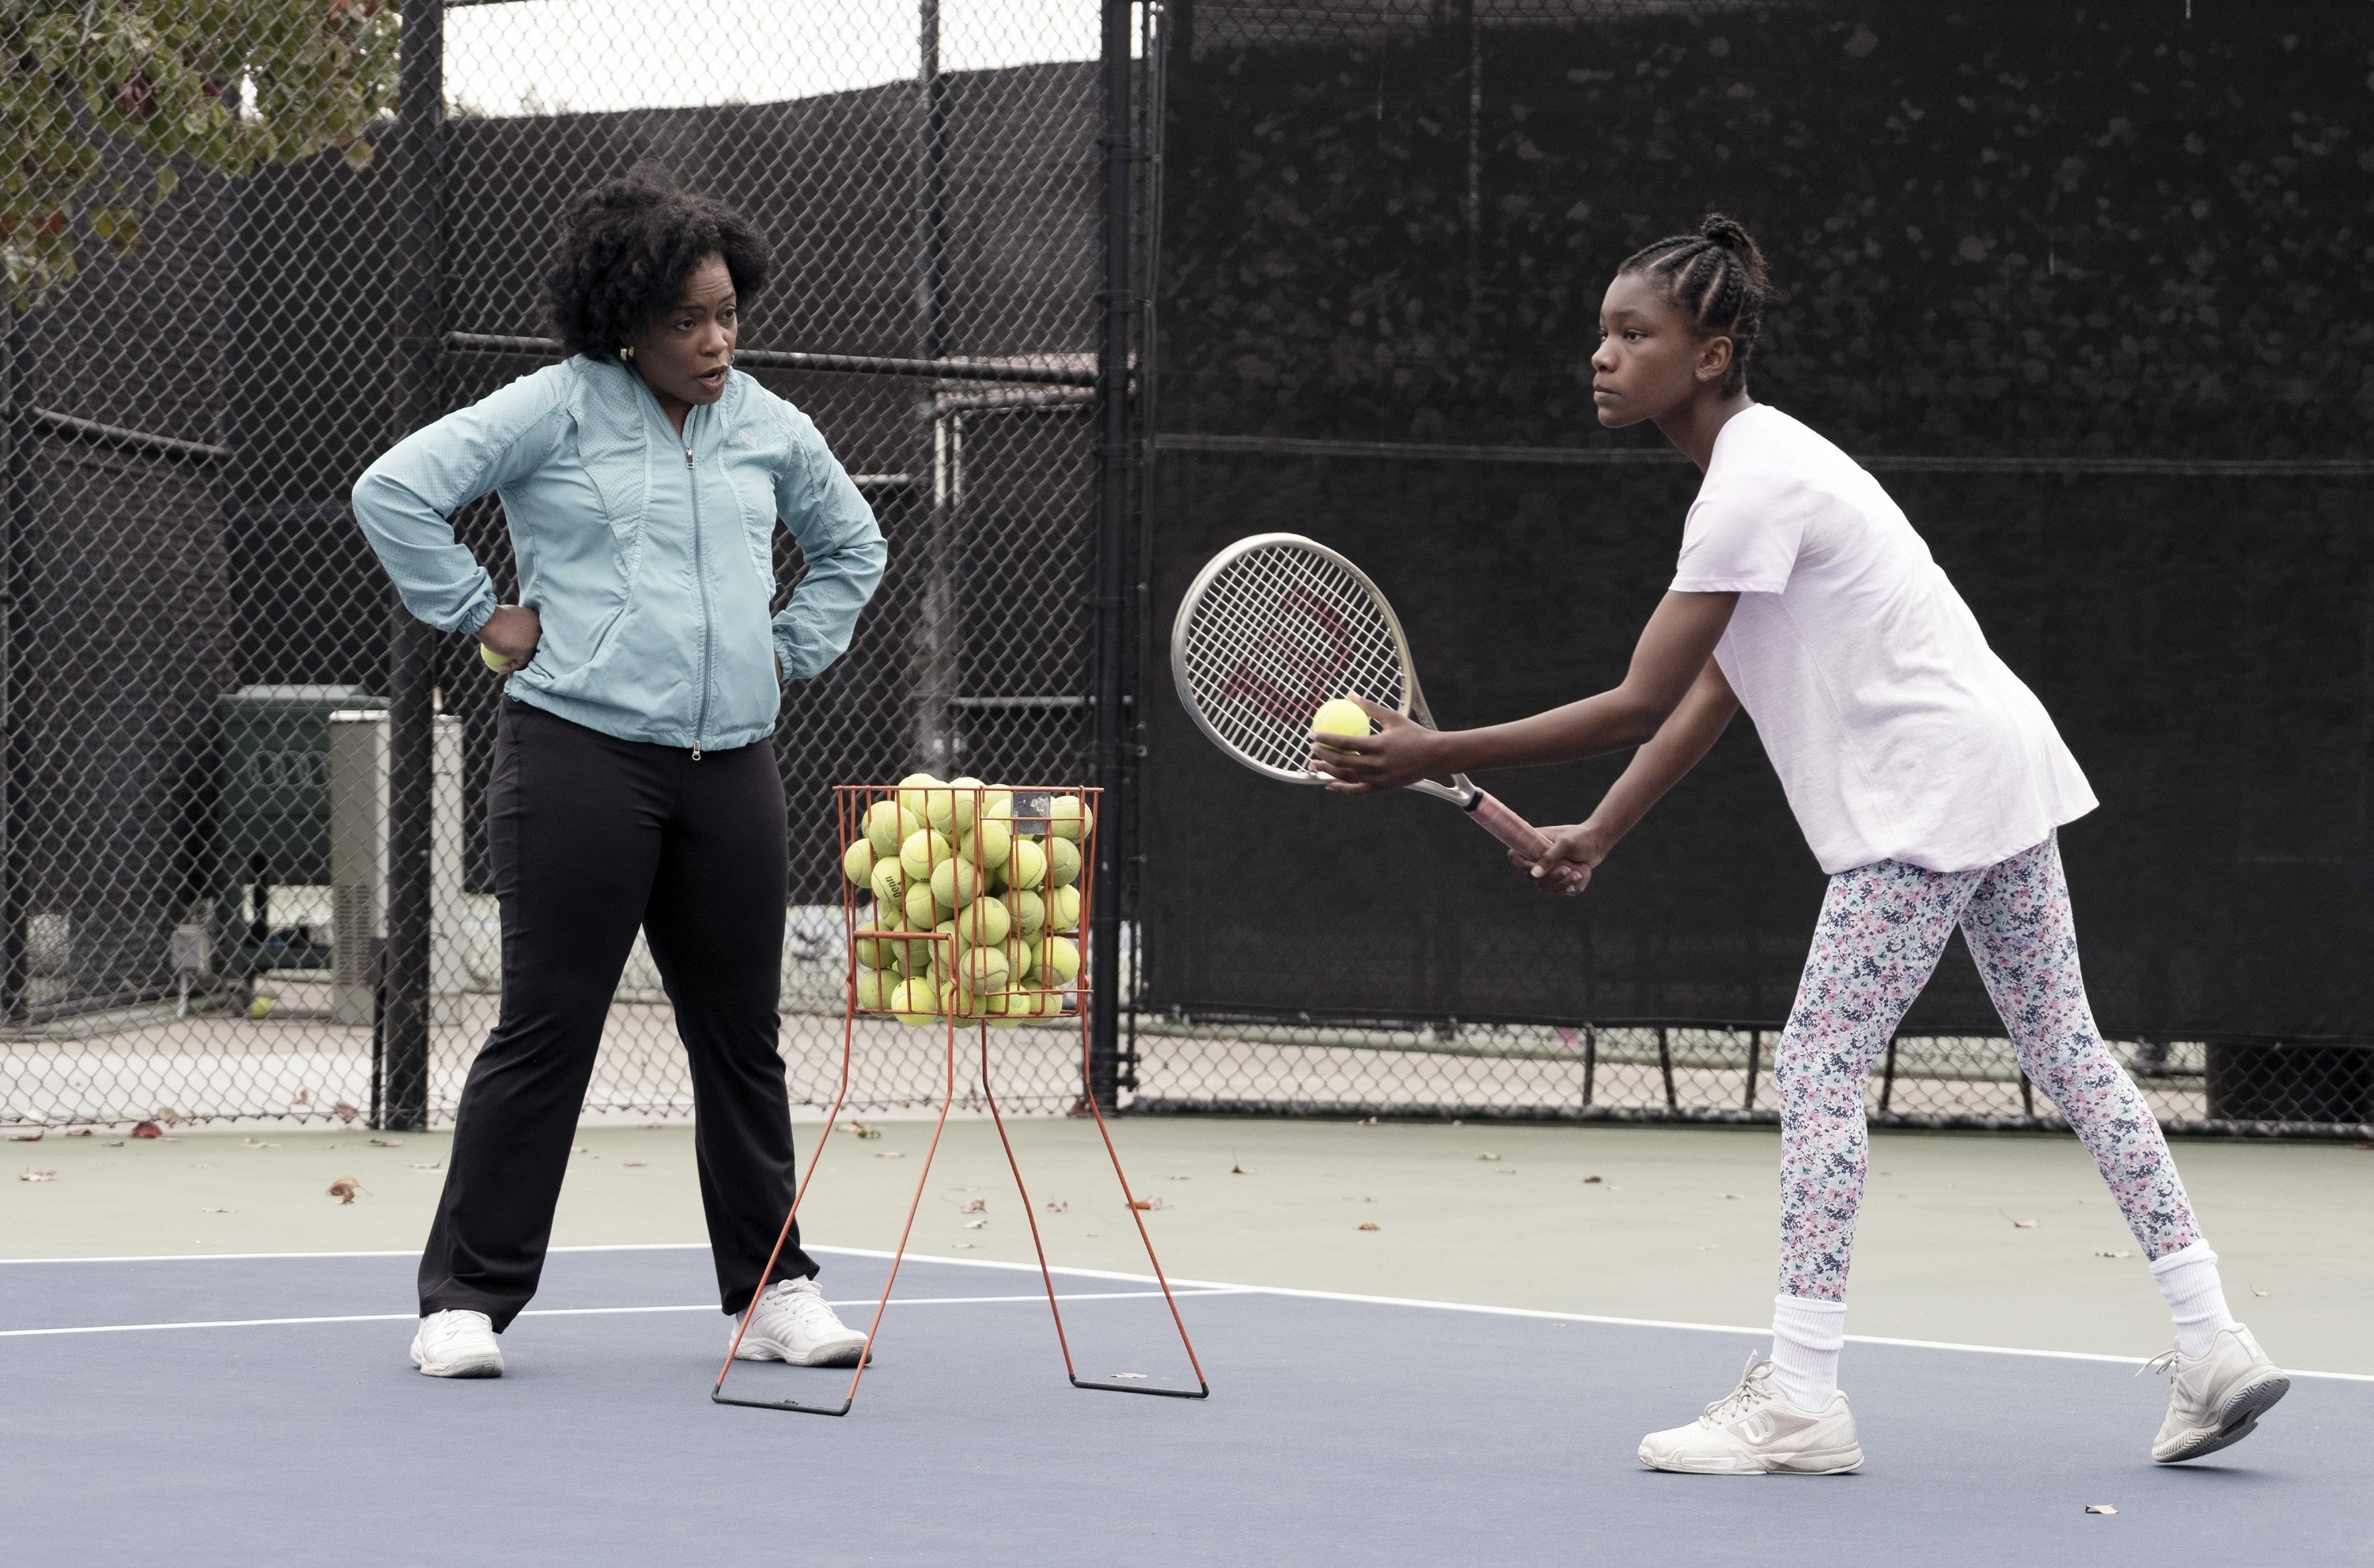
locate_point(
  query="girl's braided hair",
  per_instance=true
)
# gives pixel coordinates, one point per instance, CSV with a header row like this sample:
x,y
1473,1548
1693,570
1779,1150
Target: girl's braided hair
x,y
1716,277
629,247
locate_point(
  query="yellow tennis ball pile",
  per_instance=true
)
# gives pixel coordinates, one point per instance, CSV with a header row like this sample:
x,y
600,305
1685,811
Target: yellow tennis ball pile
x,y
949,860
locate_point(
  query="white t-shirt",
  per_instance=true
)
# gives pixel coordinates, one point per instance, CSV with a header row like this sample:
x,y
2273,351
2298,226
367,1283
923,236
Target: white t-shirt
x,y
1896,732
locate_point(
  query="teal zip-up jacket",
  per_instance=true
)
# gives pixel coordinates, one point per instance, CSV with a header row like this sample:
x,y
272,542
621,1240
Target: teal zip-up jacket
x,y
649,556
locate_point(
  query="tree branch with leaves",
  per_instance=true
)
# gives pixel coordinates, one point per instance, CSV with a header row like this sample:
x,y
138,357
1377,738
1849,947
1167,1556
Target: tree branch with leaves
x,y
102,100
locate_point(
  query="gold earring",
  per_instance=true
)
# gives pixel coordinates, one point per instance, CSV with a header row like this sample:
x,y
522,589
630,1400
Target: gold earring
x,y
626,352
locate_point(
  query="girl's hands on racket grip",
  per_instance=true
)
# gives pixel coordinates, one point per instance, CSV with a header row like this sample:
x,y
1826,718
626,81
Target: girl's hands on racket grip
x,y
1401,751
1575,853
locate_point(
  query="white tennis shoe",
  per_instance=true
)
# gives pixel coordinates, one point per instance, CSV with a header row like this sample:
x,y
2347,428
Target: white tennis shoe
x,y
457,1343
793,1322
1753,1431
2215,1399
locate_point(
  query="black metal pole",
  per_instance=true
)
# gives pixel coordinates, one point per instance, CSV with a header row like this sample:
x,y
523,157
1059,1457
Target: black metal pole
x,y
934,650
1114,518
420,118
15,559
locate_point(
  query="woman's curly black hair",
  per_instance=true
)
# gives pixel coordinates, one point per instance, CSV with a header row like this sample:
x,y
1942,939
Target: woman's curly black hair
x,y
631,246
1717,276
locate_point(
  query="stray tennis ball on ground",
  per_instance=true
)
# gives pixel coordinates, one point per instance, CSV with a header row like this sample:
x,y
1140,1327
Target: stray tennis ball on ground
x,y
1027,867
857,861
922,911
494,661
913,798
875,988
986,922
1063,909
261,1006
1059,960
889,881
1341,716
1068,817
1030,910
922,850
1063,863
916,1001
887,827
955,883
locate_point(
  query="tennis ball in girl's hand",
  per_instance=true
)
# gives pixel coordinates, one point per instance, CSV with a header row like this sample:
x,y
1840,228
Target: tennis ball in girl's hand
x,y
888,824
494,661
955,883
916,1001
922,850
1341,716
1063,863
1026,866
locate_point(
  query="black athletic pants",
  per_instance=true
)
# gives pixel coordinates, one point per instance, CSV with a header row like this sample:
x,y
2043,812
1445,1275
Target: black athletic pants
x,y
592,838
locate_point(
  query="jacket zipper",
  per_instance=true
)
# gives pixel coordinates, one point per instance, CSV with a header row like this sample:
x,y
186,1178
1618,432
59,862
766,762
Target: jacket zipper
x,y
700,575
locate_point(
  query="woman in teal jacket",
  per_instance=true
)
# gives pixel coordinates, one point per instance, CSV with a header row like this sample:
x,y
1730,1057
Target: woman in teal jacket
x,y
633,786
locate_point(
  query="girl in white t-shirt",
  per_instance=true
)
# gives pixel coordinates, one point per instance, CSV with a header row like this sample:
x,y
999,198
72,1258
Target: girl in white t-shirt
x,y
1929,782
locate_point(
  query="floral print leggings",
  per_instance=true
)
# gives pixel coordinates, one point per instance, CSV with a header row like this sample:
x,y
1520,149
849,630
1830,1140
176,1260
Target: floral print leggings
x,y
1882,931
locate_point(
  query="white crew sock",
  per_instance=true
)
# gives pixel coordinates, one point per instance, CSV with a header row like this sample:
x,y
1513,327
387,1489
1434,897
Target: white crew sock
x,y
1806,1338
2188,1278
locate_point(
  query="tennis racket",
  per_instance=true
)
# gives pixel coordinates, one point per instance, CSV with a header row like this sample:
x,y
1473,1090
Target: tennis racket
x,y
1275,624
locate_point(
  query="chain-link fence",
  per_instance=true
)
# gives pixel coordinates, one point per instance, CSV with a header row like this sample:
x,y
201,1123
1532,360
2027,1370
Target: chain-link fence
x,y
2086,289
251,244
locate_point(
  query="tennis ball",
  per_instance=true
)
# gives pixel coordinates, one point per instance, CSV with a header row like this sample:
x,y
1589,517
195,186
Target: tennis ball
x,y
1341,716
1027,865
494,661
952,809
992,843
874,952
887,824
986,922
857,861
1063,863
889,881
984,969
1021,959
873,989
1063,909
922,911
955,883
1059,960
1029,909
922,850
915,798
261,1006
1068,817
916,1002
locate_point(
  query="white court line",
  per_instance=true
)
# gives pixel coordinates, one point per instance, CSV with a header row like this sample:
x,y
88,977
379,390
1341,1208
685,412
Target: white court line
x,y
578,1312
1199,1287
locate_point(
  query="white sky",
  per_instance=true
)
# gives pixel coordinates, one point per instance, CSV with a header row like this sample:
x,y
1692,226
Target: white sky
x,y
537,56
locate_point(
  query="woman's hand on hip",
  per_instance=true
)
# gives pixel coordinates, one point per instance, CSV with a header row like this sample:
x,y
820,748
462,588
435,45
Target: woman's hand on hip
x,y
510,635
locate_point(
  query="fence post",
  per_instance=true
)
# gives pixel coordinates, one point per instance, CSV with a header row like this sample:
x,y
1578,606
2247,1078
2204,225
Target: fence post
x,y
419,175
1113,545
16,563
936,627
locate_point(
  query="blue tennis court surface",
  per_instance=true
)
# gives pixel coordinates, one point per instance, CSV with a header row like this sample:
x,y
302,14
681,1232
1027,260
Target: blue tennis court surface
x,y
1339,1432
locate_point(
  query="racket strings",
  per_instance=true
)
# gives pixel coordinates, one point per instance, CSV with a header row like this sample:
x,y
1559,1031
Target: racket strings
x,y
1276,633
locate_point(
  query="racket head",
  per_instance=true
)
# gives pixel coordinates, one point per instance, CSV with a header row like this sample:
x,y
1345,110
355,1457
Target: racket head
x,y
1272,626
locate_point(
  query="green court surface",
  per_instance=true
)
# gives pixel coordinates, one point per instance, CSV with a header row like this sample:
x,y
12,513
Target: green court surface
x,y
1678,1227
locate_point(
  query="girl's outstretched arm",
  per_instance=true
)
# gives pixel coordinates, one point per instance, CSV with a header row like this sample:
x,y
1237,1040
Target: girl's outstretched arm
x,y
1675,649
1656,767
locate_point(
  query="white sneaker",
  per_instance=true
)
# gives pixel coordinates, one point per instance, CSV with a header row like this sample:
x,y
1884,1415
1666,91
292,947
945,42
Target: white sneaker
x,y
457,1343
793,1322
1753,1430
2215,1399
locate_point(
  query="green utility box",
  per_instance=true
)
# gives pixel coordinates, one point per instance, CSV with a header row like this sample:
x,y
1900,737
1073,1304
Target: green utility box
x,y
273,823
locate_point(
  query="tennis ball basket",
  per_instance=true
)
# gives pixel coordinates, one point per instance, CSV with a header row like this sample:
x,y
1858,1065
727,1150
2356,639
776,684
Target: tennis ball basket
x,y
965,907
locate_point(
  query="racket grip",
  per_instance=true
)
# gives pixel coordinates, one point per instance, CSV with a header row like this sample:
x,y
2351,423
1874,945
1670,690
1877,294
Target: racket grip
x,y
1508,827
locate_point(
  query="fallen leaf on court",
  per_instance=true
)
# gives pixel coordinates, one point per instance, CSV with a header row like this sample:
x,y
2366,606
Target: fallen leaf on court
x,y
976,1225
148,1130
431,1165
1370,1123
79,1132
2257,1292
2100,1508
304,1097
859,1130
1731,1195
32,1137
1057,1206
112,1143
1587,1180
345,1112
387,1142
2362,1145
1488,1156
1371,1226
2023,1225
1131,1376
345,1188
978,1206
581,1149
1506,1171
1146,1202
38,1176
217,1210
889,1153
169,1117
1238,1171
1178,1178
259,1143
638,1164
2114,1255
964,1246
